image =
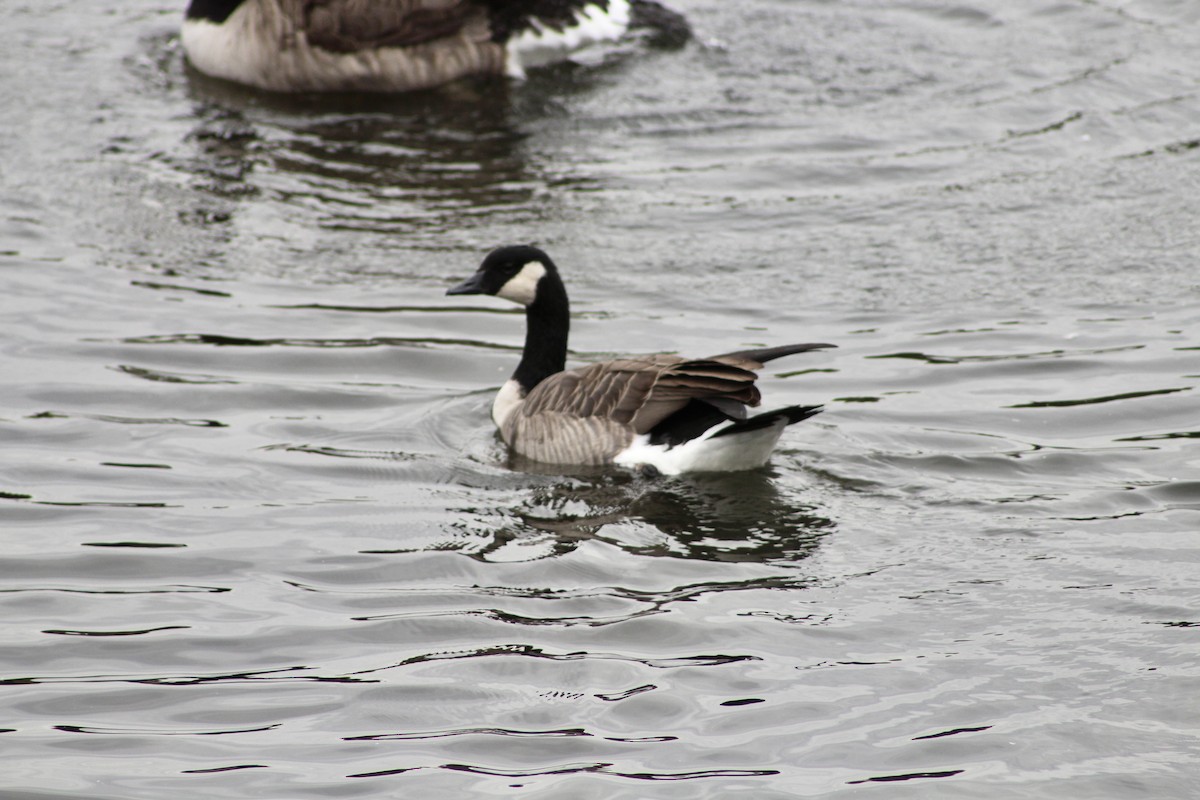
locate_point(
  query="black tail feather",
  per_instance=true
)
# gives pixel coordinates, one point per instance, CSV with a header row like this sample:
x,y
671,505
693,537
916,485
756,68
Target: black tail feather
x,y
696,417
766,354
792,414
687,423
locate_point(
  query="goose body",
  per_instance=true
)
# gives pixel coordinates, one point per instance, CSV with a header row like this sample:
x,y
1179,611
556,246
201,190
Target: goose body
x,y
663,411
391,45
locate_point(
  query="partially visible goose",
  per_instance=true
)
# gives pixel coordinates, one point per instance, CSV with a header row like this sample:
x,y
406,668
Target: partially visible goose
x,y
396,45
669,413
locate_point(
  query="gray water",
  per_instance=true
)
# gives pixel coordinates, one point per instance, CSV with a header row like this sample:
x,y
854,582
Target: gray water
x,y
259,539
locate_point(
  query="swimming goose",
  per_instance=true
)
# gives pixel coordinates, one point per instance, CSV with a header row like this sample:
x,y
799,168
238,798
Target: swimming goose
x,y
664,412
397,45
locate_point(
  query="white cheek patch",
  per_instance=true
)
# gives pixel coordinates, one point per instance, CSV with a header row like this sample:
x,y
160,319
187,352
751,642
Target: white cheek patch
x,y
522,287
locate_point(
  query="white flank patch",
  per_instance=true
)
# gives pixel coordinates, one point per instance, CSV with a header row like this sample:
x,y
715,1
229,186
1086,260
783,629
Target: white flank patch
x,y
226,51
522,287
536,46
731,453
508,399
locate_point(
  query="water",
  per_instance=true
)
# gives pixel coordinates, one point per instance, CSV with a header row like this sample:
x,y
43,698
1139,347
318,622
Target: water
x,y
260,540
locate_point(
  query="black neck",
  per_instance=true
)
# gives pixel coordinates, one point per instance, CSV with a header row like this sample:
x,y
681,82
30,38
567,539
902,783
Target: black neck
x,y
547,323
212,10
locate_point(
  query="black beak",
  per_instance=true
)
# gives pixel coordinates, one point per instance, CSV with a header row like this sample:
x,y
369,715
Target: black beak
x,y
472,285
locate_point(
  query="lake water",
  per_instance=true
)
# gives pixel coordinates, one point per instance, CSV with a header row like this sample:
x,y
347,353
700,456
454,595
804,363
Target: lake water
x,y
260,540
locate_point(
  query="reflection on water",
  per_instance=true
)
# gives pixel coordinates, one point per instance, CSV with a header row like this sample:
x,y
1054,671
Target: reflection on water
x,y
429,154
715,518
426,163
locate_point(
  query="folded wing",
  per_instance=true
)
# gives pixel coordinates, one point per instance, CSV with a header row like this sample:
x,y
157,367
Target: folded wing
x,y
347,26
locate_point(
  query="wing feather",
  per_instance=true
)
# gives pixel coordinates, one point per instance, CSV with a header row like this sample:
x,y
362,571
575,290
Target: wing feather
x,y
553,437
347,26
612,390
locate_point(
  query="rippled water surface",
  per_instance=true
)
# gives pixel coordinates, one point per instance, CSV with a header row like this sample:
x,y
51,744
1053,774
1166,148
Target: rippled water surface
x,y
259,539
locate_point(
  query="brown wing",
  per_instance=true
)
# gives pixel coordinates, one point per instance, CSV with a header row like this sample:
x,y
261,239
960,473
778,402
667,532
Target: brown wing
x,y
641,392
614,390
556,438
346,26
585,415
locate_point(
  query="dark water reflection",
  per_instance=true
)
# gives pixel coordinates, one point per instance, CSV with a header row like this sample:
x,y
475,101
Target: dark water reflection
x,y
426,163
742,517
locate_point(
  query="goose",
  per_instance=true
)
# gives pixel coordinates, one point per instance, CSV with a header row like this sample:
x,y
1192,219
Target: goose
x,y
661,413
398,45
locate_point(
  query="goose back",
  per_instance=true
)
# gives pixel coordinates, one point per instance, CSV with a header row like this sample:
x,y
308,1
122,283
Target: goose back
x,y
389,45
345,45
590,414
346,26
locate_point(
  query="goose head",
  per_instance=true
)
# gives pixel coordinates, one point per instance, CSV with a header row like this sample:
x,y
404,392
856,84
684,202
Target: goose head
x,y
526,276
519,273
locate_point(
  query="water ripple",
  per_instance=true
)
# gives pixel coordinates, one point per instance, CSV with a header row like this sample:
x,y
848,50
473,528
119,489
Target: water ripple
x,y
152,732
909,776
1096,400
530,651
466,732
570,769
119,633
